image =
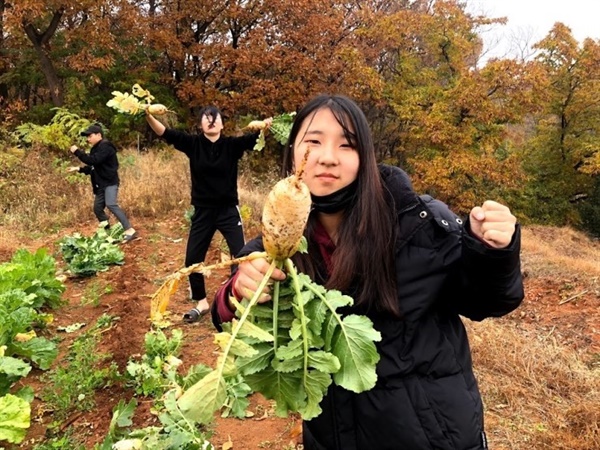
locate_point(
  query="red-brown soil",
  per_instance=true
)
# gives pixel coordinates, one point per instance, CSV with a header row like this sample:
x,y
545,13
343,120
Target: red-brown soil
x,y
158,252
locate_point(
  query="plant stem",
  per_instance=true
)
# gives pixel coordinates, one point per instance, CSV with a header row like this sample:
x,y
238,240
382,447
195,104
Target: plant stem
x,y
276,287
238,324
298,293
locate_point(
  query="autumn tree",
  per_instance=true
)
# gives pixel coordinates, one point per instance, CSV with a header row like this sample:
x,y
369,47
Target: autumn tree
x,y
563,156
67,37
448,117
254,57
3,56
464,132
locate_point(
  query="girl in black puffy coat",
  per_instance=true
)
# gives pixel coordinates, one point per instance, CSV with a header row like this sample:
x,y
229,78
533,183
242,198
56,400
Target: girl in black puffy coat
x,y
413,267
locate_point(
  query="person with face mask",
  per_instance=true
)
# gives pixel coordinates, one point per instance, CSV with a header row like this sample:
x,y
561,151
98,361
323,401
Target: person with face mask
x,y
412,266
213,160
102,165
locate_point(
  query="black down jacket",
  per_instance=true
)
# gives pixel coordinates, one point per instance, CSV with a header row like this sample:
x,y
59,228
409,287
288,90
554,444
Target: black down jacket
x,y
426,396
102,165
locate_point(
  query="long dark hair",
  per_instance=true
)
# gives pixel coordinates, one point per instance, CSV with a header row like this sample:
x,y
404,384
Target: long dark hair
x,y
363,262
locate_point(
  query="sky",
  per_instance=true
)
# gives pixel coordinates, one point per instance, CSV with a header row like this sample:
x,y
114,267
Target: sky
x,y
530,20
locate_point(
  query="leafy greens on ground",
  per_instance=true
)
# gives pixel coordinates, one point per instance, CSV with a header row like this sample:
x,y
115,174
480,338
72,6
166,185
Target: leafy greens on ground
x,y
86,256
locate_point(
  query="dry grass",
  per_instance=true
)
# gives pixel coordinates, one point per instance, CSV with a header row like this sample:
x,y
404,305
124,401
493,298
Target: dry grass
x,y
42,197
548,251
537,394
252,197
154,183
38,196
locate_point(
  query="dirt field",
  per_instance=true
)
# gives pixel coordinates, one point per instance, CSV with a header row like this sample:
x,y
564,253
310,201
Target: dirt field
x,y
566,309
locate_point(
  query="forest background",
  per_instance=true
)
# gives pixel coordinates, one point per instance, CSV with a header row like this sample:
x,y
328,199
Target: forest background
x,y
523,131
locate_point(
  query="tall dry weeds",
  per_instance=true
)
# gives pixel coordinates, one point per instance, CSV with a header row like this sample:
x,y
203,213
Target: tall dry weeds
x,y
155,183
538,393
38,196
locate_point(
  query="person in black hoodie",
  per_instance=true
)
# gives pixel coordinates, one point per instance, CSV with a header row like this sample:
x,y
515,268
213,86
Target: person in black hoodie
x,y
214,191
102,165
412,266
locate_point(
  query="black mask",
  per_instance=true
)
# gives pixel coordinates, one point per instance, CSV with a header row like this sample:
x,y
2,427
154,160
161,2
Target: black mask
x,y
336,201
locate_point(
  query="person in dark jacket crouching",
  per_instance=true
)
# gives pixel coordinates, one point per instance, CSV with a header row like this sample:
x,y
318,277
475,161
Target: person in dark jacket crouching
x,y
438,268
102,165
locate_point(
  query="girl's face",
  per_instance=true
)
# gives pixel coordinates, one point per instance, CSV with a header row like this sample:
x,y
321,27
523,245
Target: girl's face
x,y
332,163
209,128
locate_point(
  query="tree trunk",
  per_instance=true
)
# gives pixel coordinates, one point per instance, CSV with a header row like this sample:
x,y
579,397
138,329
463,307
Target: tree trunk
x,y
40,42
3,62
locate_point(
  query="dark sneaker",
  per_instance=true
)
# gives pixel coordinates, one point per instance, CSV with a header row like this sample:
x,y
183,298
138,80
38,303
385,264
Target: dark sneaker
x,y
194,315
130,237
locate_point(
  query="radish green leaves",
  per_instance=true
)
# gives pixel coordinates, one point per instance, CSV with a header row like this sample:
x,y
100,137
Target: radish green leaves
x,y
290,350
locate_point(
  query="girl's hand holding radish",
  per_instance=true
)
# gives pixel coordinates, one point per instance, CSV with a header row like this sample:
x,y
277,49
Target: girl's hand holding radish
x,y
249,275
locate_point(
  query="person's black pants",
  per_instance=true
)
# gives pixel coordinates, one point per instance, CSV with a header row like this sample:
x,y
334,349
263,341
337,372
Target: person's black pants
x,y
205,222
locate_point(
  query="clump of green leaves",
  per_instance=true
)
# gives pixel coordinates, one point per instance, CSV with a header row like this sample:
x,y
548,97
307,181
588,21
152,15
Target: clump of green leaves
x,y
280,129
27,283
290,350
156,371
18,320
188,214
15,413
35,275
64,442
94,291
156,374
62,131
86,256
175,432
71,386
15,409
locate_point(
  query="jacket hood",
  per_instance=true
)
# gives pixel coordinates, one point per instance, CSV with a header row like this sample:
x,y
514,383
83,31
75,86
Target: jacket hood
x,y
399,186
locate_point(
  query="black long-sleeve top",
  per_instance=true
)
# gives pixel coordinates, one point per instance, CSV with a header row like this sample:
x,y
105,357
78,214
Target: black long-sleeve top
x,y
102,164
213,165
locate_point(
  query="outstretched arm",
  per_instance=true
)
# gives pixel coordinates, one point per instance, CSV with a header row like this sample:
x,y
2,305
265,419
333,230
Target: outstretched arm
x,y
156,126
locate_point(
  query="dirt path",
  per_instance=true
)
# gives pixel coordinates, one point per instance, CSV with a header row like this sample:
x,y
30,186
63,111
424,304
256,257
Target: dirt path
x,y
148,260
